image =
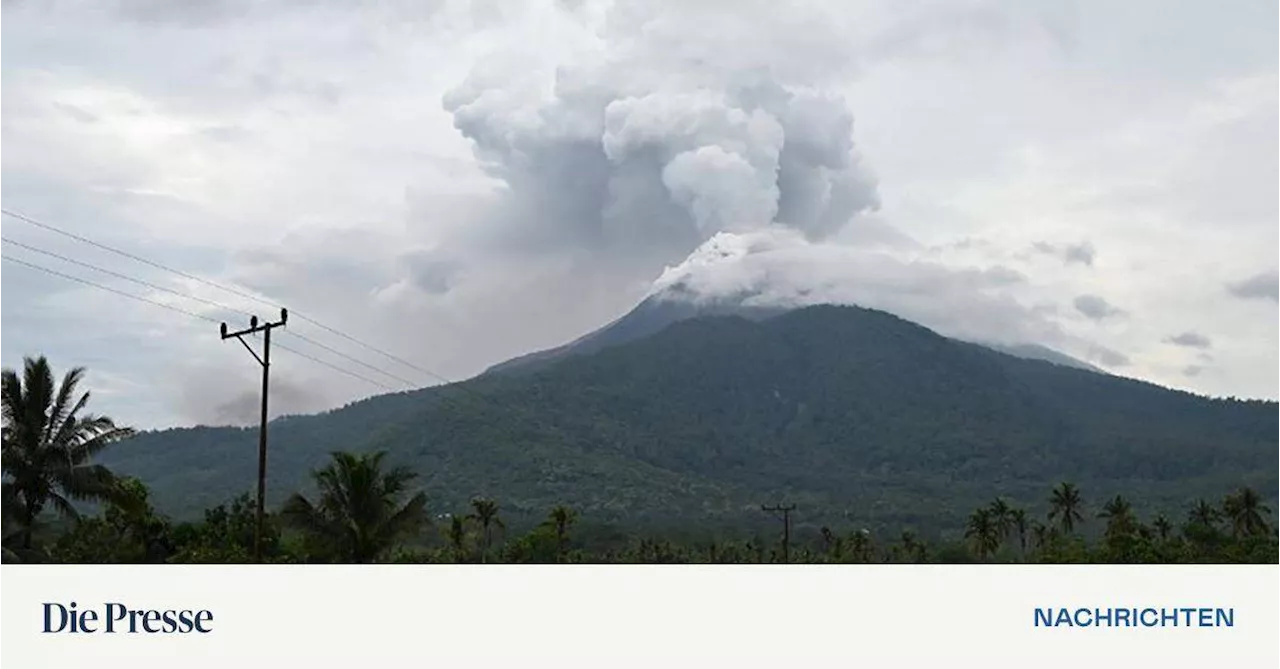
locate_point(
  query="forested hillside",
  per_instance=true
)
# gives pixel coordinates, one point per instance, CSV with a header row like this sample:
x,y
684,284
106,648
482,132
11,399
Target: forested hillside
x,y
853,415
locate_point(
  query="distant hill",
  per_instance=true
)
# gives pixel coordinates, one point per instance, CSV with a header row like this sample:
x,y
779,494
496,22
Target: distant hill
x,y
855,415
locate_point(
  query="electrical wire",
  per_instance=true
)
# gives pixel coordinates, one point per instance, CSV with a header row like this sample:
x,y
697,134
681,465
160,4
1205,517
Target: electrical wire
x,y
118,275
182,311
213,284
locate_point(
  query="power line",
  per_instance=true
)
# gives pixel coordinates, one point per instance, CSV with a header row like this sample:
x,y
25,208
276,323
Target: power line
x,y
335,368
340,354
233,291
118,275
184,312
139,298
402,361
131,256
140,282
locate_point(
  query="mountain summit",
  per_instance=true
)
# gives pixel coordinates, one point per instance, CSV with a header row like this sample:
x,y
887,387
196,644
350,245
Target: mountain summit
x,y
674,304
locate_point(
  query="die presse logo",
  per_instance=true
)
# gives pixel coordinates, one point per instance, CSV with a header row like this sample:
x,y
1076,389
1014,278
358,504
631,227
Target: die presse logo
x,y
115,618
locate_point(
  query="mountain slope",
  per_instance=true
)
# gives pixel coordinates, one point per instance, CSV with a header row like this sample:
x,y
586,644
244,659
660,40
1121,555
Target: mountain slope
x,y
853,414
648,318
662,310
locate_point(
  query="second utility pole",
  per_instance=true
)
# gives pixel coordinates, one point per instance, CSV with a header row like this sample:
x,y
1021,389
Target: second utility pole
x,y
265,361
786,528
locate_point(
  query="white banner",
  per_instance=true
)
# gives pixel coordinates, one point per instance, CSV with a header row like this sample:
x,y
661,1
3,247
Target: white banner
x,y
639,616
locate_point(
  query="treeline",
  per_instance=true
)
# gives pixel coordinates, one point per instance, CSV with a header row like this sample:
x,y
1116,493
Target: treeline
x,y
365,511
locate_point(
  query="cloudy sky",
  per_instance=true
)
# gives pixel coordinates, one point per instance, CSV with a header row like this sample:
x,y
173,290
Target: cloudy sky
x,y
456,183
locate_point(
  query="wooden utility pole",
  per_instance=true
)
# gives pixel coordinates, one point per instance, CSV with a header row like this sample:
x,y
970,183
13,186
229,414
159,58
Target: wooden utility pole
x,y
265,361
786,527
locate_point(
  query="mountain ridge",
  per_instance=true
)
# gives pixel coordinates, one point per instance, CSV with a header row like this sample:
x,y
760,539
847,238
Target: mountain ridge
x,y
846,411
665,308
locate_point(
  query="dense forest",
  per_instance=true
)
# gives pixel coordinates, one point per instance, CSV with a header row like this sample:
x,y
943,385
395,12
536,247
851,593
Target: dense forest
x,y
859,417
362,508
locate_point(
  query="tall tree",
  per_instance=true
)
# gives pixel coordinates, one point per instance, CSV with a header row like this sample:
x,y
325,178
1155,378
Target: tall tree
x,y
1018,520
1117,511
1002,516
485,513
359,515
1204,514
1065,506
983,533
1163,527
1245,511
48,445
1041,534
561,518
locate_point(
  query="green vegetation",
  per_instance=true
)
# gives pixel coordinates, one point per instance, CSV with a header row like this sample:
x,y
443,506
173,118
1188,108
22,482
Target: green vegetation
x,y
48,443
892,442
359,517
847,412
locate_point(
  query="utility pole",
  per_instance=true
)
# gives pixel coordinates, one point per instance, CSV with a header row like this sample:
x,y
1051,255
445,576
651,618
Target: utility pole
x,y
786,527
265,361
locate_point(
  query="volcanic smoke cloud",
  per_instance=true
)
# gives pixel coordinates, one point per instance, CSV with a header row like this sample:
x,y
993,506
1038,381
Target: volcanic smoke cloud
x,y
635,151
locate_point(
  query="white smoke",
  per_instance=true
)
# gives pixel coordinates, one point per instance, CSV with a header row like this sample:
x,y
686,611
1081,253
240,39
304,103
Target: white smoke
x,y
634,149
778,267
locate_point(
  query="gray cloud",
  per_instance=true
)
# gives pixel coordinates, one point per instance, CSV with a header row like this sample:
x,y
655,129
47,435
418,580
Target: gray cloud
x,y
1263,286
433,271
1095,307
1192,371
1190,340
1107,357
1082,253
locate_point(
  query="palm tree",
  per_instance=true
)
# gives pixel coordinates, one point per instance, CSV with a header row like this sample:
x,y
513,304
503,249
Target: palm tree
x,y
1041,534
359,516
1065,505
485,512
561,518
1203,513
48,445
1002,515
1163,527
1018,519
1245,511
984,531
1118,513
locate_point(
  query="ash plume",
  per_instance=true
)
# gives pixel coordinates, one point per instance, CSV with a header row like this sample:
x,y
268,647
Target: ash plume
x,y
638,147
